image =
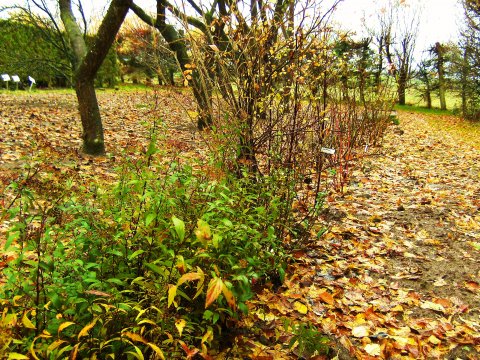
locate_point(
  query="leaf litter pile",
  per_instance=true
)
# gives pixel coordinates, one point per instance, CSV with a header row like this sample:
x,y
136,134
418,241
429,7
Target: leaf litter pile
x,y
396,275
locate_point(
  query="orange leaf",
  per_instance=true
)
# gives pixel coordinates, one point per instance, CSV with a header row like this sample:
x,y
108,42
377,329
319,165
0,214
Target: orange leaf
x,y
215,287
190,352
472,286
134,337
188,277
229,296
326,297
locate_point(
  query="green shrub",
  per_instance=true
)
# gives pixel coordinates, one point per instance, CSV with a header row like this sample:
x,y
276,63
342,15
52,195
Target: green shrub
x,y
161,262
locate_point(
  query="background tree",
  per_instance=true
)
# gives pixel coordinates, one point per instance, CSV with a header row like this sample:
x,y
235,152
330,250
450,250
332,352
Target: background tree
x,y
178,44
85,53
426,75
395,36
468,63
142,49
42,59
439,55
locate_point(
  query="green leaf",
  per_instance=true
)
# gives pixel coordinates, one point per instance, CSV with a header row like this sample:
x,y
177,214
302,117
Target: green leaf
x,y
135,254
116,281
11,237
179,227
155,268
150,217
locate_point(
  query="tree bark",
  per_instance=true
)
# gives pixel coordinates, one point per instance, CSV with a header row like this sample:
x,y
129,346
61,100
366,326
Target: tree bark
x,y
93,141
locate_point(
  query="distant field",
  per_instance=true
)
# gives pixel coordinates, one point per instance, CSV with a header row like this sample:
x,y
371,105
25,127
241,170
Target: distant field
x,y
414,98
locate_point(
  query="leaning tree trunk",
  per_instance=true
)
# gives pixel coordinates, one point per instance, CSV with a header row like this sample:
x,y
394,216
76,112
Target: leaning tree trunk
x,y
87,62
93,141
178,44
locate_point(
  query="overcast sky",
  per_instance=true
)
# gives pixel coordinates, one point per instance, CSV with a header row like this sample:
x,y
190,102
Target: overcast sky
x,y
439,18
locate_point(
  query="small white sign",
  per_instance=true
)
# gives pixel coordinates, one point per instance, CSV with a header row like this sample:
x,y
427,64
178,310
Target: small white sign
x,y
327,151
5,77
32,80
15,78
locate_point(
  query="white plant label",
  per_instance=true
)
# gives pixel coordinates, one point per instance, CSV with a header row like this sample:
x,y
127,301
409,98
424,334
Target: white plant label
x,y
32,80
5,77
327,151
15,78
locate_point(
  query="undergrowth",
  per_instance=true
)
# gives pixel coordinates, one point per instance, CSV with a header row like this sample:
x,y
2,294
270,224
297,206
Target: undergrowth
x,y
159,264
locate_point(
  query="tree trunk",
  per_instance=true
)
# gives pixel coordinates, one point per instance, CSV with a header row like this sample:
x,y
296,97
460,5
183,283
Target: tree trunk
x,y
439,50
86,64
428,98
93,141
402,86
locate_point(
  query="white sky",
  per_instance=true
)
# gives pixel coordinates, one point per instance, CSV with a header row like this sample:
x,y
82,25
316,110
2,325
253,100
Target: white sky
x,y
440,19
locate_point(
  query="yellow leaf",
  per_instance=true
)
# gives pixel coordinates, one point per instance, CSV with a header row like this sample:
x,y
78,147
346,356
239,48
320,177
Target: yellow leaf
x,y
203,232
229,297
180,325
360,331
134,337
26,321
432,306
373,349
215,287
64,326
15,356
301,308
172,292
200,283
55,344
434,340
86,329
157,350
208,336
15,298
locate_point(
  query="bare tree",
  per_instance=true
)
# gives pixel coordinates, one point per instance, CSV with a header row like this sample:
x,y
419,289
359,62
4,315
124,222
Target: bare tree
x,y
396,35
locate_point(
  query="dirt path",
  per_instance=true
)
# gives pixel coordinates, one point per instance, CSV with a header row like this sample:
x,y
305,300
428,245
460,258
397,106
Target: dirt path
x,y
397,274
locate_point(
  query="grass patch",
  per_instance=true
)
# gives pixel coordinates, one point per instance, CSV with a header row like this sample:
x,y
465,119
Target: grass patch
x,y
423,110
463,130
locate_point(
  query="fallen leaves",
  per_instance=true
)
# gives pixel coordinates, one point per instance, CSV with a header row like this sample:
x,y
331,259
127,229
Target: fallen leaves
x,y
388,279
395,276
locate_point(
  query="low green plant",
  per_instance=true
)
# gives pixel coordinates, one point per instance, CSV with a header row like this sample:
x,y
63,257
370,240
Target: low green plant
x,y
161,262
306,340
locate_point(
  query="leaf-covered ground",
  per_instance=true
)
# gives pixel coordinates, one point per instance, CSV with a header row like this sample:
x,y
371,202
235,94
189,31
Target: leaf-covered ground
x,y
397,274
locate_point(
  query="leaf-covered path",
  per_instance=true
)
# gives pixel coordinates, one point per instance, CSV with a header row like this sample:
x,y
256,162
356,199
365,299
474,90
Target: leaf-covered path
x,y
397,274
